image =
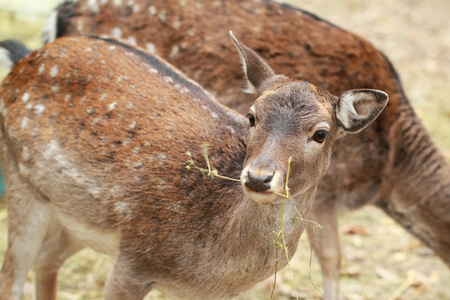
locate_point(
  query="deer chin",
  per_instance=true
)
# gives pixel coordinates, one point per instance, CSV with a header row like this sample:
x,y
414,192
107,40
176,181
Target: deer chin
x,y
264,198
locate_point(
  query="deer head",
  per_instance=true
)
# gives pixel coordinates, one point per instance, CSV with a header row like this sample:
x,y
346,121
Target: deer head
x,y
297,120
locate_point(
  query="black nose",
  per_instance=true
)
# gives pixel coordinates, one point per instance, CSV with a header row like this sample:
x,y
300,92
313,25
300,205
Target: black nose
x,y
258,183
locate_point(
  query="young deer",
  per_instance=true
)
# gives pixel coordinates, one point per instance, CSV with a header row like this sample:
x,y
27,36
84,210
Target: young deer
x,y
392,164
94,135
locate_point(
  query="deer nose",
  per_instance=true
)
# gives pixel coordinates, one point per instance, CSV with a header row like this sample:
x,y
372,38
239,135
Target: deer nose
x,y
258,183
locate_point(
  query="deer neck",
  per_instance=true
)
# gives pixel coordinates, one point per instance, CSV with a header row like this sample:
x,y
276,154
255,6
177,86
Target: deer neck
x,y
416,191
254,227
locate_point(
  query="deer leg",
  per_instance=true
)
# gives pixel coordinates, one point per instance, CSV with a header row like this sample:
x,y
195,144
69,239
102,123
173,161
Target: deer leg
x,y
122,285
28,219
56,248
326,245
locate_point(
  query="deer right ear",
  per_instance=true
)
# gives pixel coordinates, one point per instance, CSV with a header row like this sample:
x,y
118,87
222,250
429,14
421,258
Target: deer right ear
x,y
256,70
356,109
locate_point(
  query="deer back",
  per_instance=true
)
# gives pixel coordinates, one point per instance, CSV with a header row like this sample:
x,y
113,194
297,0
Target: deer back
x,y
90,129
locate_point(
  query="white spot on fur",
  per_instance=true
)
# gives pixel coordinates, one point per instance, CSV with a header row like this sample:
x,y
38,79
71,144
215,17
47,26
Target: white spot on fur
x,y
150,47
24,122
25,97
102,96
168,79
153,71
112,106
184,90
117,3
136,150
41,69
39,109
191,32
55,88
120,206
116,32
29,106
163,16
92,5
152,10
162,157
112,47
176,24
54,71
133,125
214,115
67,97
90,110
162,185
174,52
132,40
136,8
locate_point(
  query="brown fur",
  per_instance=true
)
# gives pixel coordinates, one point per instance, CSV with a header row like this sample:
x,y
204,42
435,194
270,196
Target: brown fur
x,y
392,164
94,135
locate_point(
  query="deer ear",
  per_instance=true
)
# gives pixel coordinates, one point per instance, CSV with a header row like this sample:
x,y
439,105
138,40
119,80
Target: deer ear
x,y
255,68
356,109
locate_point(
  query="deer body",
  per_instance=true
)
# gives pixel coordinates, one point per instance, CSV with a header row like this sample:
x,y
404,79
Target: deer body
x,y
392,164
94,141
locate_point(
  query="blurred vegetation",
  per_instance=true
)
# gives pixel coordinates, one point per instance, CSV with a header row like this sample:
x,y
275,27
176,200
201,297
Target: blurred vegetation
x,y
380,260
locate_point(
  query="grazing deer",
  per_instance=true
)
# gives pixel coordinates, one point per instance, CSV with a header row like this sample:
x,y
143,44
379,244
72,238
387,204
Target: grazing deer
x,y
393,164
94,134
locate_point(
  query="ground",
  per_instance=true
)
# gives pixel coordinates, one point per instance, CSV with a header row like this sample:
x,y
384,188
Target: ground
x,y
380,260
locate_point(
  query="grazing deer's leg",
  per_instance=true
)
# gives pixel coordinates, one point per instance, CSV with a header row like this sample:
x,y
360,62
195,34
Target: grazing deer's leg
x,y
326,245
58,245
28,217
121,285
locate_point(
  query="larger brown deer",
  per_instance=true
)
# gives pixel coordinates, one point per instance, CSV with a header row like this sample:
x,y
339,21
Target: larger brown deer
x,y
94,135
392,164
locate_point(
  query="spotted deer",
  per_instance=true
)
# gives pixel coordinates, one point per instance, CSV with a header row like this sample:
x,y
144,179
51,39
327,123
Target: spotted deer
x,y
392,164
94,135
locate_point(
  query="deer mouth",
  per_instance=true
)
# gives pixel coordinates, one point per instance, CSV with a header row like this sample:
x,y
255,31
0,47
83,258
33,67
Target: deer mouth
x,y
262,186
264,198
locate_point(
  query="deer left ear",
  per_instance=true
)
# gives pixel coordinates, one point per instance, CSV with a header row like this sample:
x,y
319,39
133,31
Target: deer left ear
x,y
256,70
356,109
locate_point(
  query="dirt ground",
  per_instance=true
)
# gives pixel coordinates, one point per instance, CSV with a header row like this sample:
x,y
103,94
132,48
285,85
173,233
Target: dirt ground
x,y
380,260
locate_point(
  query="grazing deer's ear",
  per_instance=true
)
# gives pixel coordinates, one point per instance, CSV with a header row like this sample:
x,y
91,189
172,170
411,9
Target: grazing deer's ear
x,y
255,68
356,109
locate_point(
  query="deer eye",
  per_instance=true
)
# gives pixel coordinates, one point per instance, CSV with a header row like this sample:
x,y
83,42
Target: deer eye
x,y
251,119
320,135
